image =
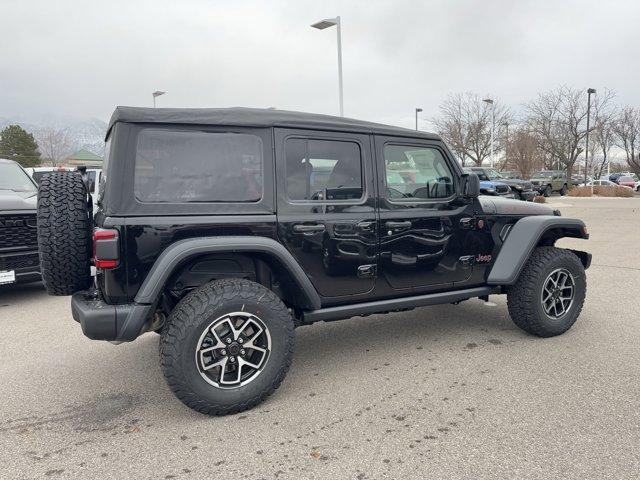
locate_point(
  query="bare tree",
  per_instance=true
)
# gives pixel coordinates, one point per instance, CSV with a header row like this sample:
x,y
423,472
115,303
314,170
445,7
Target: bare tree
x,y
465,124
558,119
524,153
54,145
627,132
605,116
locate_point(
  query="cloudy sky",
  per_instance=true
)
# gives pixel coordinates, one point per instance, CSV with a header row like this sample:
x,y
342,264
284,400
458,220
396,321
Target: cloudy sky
x,y
82,58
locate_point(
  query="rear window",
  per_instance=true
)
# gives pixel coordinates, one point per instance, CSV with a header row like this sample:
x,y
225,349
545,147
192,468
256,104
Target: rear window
x,y
193,166
38,176
322,170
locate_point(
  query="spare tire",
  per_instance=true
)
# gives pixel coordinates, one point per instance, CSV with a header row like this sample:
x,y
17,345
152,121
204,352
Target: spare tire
x,y
64,233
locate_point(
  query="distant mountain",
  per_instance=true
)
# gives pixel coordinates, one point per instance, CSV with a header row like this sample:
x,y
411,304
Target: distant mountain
x,y
87,134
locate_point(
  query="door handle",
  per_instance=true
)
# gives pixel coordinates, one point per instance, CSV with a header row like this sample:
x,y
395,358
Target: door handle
x,y
366,226
306,228
398,225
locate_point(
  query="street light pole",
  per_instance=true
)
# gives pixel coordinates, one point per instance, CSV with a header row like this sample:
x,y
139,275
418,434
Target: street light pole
x,y
326,23
417,110
506,145
493,123
586,151
155,94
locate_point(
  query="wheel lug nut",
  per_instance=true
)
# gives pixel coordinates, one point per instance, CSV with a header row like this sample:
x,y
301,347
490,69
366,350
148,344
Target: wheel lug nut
x,y
228,340
232,359
242,352
223,351
240,340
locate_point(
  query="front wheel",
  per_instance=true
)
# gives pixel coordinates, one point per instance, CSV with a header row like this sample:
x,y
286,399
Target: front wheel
x,y
227,346
563,190
548,296
547,191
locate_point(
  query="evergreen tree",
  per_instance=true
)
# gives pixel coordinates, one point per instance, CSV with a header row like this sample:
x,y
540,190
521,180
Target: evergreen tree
x,y
19,145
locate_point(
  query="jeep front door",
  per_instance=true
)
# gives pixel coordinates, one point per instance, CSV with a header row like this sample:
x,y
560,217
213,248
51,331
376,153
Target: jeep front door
x,y
424,223
326,209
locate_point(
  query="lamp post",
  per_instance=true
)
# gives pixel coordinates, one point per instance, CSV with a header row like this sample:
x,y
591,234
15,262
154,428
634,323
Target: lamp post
x,y
490,101
155,94
586,151
326,23
417,111
506,144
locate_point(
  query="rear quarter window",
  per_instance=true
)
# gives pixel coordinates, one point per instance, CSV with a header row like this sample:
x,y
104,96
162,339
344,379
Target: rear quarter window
x,y
195,166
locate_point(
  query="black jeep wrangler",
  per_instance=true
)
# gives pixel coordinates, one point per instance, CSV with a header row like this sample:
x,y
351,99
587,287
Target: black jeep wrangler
x,y
224,229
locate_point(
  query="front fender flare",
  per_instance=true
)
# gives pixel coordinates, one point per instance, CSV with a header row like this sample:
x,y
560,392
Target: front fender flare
x,y
523,238
179,252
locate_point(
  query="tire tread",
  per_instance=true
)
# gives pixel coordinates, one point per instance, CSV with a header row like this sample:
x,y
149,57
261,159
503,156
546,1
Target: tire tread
x,y
522,299
185,316
64,233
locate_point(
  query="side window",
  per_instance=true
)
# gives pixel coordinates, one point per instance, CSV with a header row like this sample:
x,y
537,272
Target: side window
x,y
480,174
416,173
321,170
193,166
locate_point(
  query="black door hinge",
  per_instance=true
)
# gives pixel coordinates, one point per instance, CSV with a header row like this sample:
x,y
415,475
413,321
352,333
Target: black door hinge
x,y
466,261
366,271
467,223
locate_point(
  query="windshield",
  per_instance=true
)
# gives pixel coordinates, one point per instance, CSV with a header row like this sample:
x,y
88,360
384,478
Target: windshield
x,y
543,175
493,174
12,177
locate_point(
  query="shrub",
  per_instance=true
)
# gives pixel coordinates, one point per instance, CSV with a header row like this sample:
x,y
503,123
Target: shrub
x,y
539,199
581,191
601,191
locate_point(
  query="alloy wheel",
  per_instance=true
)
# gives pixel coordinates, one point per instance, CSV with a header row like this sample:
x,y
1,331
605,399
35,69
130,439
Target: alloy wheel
x,y
558,293
233,350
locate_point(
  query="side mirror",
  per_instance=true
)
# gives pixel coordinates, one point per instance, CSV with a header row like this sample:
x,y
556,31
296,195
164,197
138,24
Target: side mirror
x,y
470,185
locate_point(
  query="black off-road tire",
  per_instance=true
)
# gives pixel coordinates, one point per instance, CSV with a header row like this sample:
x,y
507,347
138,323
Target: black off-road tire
x,y
64,233
547,191
563,190
181,335
524,298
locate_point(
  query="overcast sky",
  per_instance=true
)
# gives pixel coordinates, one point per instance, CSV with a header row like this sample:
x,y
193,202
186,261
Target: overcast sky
x,y
82,58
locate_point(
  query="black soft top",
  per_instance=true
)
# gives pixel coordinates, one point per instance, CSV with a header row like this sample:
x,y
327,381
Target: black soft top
x,y
256,117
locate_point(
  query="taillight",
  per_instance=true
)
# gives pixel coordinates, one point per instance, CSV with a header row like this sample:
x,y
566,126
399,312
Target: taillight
x,y
105,248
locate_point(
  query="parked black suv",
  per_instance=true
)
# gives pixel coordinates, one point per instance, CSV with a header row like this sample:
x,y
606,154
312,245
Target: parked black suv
x,y
521,189
18,243
223,229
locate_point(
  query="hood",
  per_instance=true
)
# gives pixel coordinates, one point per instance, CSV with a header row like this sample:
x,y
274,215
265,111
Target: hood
x,y
14,201
515,181
491,183
505,206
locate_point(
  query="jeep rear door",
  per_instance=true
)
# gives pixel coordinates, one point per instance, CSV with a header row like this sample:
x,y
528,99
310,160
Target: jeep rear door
x,y
326,208
424,224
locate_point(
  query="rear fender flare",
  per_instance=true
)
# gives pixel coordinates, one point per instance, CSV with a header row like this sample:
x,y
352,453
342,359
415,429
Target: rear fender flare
x,y
180,252
523,237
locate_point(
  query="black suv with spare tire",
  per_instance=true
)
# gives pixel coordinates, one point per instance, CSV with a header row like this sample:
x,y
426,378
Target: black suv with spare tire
x,y
224,229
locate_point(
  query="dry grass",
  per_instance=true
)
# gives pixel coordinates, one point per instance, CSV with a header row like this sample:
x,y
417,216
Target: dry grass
x,y
539,199
601,191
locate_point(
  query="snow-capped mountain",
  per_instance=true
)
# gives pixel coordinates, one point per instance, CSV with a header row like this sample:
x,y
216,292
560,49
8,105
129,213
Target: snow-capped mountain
x,y
82,133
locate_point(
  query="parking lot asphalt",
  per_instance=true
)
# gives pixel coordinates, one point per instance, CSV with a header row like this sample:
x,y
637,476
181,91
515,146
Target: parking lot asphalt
x,y
439,392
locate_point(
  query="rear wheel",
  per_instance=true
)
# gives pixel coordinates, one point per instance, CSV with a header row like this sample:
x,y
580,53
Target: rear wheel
x,y
547,191
227,346
563,190
548,296
64,233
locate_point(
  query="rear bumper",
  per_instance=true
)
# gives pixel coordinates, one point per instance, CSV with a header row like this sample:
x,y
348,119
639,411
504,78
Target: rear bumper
x,y
101,321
